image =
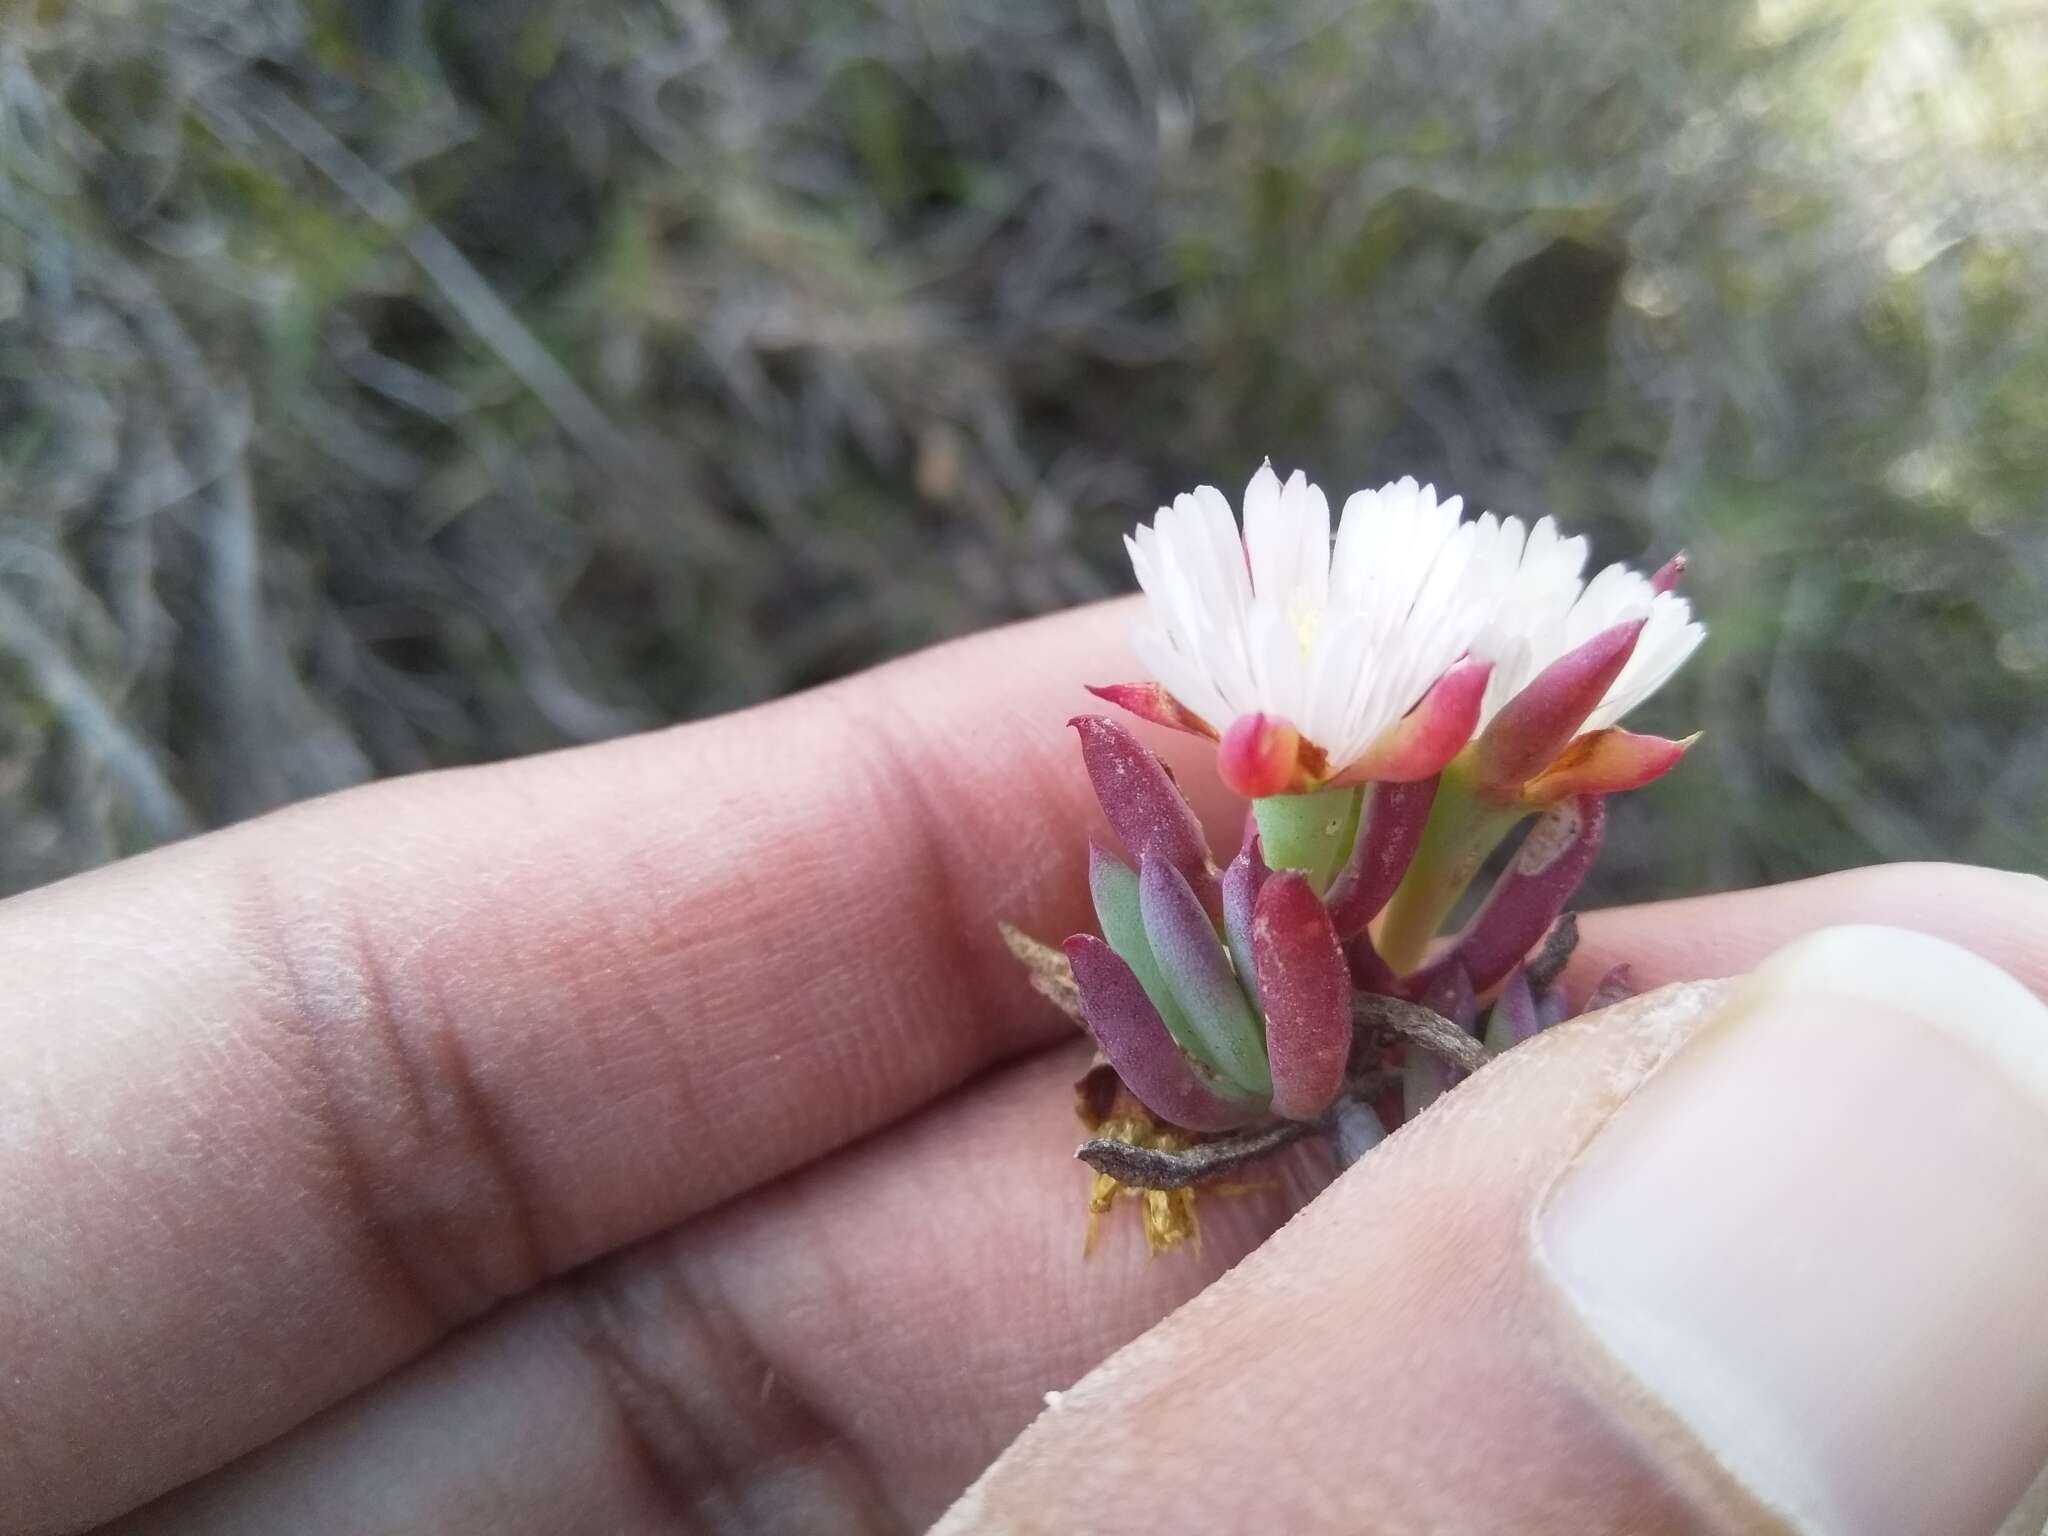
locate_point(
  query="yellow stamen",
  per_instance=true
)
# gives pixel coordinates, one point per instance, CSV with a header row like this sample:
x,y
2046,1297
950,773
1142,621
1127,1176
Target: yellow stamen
x,y
1307,622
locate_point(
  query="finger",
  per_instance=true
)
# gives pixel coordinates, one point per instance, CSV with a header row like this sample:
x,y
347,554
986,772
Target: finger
x,y
841,1352
910,1302
282,1105
1732,1258
2001,916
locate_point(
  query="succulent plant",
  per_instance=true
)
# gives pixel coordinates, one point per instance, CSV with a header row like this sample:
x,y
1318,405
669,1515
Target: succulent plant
x,y
1395,707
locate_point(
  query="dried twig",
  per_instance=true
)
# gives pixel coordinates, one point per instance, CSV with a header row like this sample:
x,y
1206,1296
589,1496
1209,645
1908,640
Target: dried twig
x,y
1157,1168
1051,976
1424,1026
1554,954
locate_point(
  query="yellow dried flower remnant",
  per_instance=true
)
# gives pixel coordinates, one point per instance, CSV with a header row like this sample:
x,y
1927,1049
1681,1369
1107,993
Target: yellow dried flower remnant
x,y
1107,1108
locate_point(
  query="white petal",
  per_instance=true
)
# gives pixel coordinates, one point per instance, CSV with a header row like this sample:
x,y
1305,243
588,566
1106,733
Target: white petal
x,y
1226,546
1668,639
1261,521
1357,535
1339,670
1307,511
1179,674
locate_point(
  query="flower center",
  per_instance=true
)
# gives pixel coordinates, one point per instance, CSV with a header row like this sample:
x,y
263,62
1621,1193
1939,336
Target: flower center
x,y
1308,619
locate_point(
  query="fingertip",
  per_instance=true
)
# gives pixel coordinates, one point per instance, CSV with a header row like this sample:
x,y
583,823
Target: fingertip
x,y
1999,914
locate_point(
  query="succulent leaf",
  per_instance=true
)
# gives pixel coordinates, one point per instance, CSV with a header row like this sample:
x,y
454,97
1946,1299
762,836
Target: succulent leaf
x,y
1515,1016
1540,879
1241,883
1135,1039
1223,1032
1311,833
1605,763
1118,910
1261,755
1143,804
1305,991
1432,733
1151,701
1395,816
1428,1076
1538,723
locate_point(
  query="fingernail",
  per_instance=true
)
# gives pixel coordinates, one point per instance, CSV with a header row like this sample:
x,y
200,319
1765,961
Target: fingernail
x,y
1819,1236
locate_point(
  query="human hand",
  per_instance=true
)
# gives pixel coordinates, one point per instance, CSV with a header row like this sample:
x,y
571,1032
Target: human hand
x,y
658,1135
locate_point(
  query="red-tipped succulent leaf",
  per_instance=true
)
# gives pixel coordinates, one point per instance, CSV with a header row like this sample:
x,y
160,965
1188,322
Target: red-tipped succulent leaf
x,y
1606,763
1262,755
1305,992
1149,701
1432,733
1538,723
1143,803
1395,815
1540,879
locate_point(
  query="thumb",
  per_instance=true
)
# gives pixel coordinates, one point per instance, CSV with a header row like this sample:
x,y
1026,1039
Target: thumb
x,y
1736,1256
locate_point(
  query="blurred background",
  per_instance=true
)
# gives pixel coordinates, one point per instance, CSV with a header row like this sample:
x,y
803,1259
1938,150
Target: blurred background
x,y
392,383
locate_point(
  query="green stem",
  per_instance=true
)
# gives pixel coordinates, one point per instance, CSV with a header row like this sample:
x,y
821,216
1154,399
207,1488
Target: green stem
x,y
1312,833
1463,829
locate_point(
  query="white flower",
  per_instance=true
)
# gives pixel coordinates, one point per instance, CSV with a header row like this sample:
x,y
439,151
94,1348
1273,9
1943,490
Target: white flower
x,y
1339,642
1540,610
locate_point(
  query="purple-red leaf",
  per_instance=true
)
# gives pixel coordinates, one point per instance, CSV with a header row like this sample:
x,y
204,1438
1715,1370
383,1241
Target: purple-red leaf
x,y
1395,815
1222,1029
1241,884
1538,723
1305,990
1149,701
1261,755
1143,803
1617,986
1428,1076
1370,973
1452,993
1515,1016
1553,858
1134,1038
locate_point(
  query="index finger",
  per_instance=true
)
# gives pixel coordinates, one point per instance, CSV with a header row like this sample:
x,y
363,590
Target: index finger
x,y
284,1104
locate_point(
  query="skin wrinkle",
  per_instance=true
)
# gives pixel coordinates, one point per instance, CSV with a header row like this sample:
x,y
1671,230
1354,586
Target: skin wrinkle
x,y
447,1204
894,771
920,1373
339,1003
655,1340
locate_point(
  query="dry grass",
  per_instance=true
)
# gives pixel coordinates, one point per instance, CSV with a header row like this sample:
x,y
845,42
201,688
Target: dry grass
x,y
385,383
